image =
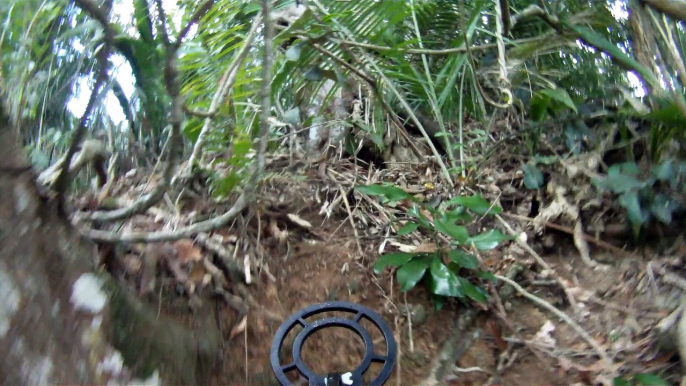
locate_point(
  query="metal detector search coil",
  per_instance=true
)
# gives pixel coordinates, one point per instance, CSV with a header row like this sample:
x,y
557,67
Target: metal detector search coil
x,y
352,378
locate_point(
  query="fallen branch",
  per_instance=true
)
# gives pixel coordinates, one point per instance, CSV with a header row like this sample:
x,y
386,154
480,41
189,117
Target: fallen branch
x,y
457,344
561,228
242,200
540,262
599,350
185,232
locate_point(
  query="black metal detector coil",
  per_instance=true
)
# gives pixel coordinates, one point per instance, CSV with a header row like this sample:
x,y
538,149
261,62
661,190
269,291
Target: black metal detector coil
x,y
352,378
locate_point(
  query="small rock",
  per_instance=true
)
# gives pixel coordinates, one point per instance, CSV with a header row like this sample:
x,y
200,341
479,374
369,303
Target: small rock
x,y
418,315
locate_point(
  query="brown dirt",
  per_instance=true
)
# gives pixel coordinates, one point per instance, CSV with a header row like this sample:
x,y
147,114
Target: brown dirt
x,y
321,271
317,271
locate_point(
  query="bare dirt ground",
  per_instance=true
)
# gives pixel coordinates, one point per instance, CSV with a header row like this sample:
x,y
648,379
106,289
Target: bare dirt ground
x,y
318,271
617,304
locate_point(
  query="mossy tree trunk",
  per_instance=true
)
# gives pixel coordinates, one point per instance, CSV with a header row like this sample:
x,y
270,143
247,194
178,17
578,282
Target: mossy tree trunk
x,y
62,321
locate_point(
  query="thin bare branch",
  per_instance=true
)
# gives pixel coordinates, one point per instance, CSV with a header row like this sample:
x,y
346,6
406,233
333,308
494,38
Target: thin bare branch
x,y
243,199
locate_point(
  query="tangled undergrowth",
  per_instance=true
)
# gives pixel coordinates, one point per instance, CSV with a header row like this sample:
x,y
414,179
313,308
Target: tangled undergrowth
x,y
595,303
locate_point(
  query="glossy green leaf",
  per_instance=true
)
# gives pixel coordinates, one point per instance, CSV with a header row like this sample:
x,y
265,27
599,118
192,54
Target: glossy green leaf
x,y
476,204
463,259
472,291
412,272
408,228
443,281
533,178
394,259
457,232
487,240
389,192
650,380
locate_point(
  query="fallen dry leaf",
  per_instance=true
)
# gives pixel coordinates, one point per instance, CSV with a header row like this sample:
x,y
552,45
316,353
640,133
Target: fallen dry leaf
x,y
187,252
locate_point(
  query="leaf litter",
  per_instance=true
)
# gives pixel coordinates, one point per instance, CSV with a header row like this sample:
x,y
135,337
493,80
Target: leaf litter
x,y
296,246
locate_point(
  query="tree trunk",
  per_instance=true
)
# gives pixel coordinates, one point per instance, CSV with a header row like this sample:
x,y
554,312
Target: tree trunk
x,y
63,322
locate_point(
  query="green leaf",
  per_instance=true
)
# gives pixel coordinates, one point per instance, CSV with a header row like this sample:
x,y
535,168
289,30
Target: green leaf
x,y
438,301
314,73
669,115
487,240
621,382
662,208
629,201
192,129
620,183
292,116
457,232
423,221
394,259
476,204
443,281
463,259
412,272
533,178
629,168
389,192
594,39
459,214
293,52
650,380
472,291
538,106
561,96
664,171
408,228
